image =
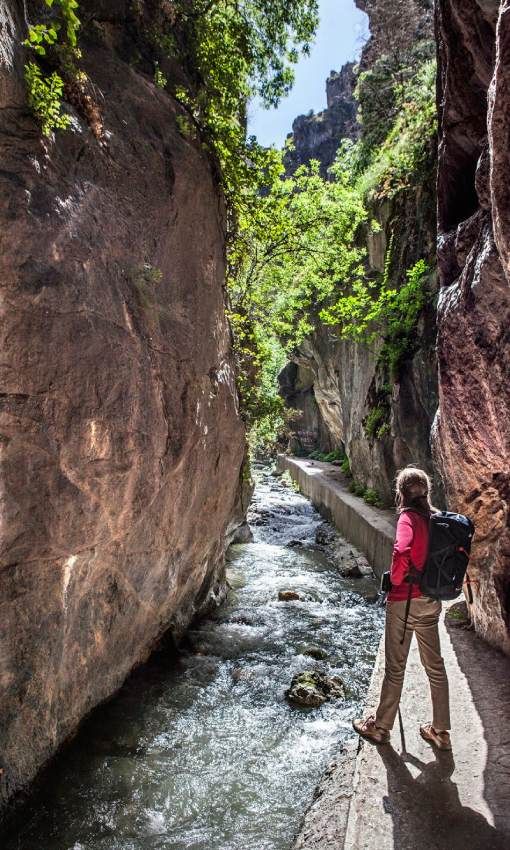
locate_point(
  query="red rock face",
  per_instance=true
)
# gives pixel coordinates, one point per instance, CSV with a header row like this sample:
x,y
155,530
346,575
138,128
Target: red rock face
x,y
120,435
472,433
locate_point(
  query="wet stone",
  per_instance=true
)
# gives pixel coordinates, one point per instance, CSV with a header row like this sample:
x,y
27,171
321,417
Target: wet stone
x,y
288,595
314,651
243,534
325,534
311,689
351,571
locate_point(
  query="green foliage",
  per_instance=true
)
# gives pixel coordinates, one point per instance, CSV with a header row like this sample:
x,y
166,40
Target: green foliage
x,y
328,457
345,466
260,358
301,255
394,152
234,52
400,309
375,309
40,37
357,489
369,495
70,19
335,455
372,497
44,88
45,98
375,421
159,78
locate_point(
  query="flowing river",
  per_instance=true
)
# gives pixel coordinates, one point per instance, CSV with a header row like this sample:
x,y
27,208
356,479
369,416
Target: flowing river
x,y
202,751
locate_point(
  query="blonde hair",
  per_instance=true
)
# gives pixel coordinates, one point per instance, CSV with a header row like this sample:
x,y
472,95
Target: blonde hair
x,y
413,487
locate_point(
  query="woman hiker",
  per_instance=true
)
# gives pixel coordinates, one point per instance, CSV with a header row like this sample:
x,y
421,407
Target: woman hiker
x,y
410,549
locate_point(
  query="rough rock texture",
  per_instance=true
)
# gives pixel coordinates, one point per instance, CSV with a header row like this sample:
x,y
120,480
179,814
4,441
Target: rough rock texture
x,y
395,24
318,136
472,433
121,440
311,688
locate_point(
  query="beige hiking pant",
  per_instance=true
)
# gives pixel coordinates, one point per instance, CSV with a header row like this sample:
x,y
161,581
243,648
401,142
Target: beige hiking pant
x,y
423,621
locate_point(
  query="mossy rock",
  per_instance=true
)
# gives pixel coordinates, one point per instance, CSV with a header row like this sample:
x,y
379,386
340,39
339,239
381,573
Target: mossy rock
x,y
458,614
311,689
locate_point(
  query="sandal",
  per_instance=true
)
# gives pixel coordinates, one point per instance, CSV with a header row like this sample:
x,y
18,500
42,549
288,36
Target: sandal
x,y
368,729
441,740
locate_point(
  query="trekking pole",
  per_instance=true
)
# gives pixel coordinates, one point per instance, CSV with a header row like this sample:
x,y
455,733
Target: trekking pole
x,y
402,734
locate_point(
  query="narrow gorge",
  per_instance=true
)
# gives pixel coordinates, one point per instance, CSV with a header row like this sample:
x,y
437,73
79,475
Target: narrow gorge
x,y
186,309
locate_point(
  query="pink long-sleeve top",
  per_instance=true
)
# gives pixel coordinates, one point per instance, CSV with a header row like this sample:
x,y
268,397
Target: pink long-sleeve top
x,y
411,544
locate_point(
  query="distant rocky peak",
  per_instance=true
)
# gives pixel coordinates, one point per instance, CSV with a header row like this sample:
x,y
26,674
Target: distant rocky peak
x,y
317,136
340,86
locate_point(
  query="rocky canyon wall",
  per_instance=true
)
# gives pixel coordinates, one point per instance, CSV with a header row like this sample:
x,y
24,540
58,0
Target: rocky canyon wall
x,y
472,430
338,384
120,434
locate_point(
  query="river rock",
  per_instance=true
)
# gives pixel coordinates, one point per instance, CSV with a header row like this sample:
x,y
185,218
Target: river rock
x,y
325,534
351,571
121,437
314,652
311,688
242,534
288,595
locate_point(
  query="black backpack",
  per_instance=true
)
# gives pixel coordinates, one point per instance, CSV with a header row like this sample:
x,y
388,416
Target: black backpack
x,y
450,537
445,569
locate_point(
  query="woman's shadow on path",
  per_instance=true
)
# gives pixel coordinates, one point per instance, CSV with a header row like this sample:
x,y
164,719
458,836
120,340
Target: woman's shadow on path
x,y
426,810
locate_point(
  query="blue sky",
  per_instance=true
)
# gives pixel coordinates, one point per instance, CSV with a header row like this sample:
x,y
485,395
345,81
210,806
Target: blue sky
x,y
338,40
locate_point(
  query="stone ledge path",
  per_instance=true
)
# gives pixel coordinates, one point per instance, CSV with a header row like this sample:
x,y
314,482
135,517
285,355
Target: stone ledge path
x,y
412,797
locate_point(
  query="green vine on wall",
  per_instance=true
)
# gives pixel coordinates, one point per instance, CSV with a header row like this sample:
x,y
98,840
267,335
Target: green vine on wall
x,y
45,41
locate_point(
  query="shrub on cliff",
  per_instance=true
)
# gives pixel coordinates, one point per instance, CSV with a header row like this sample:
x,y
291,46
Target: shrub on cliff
x,y
405,154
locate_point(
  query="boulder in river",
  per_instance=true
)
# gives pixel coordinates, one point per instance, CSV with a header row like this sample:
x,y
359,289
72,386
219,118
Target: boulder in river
x,y
311,688
351,570
288,595
325,534
243,534
314,651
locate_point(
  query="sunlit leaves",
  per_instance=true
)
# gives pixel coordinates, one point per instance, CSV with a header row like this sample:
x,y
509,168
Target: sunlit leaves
x,y
45,89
